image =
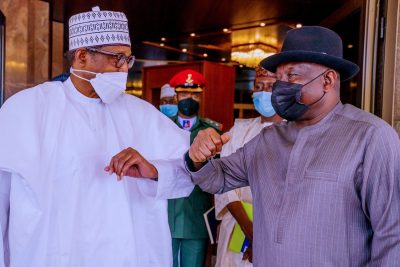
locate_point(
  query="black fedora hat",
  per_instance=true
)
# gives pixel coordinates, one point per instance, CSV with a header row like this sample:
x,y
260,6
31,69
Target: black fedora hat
x,y
316,45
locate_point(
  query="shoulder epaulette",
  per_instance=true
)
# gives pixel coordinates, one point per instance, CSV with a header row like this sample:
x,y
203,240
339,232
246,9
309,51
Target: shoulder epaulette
x,y
211,123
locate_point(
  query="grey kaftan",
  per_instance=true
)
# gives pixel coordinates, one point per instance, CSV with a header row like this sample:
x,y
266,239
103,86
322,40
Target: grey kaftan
x,y
324,195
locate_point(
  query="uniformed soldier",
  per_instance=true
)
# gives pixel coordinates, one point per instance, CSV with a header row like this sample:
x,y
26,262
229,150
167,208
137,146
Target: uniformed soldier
x,y
188,229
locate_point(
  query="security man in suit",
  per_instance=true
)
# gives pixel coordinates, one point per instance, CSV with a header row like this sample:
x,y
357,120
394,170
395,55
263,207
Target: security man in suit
x,y
186,221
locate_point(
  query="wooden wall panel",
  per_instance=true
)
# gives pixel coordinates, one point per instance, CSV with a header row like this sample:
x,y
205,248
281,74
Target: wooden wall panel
x,y
219,93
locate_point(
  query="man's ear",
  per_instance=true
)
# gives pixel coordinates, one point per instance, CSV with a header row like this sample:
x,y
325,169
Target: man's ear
x,y
81,57
331,78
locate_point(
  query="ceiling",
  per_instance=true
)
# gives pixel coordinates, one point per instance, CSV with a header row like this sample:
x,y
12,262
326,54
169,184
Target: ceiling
x,y
175,20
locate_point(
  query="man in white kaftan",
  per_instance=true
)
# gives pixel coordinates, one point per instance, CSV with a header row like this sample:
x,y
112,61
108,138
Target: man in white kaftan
x,y
58,205
242,131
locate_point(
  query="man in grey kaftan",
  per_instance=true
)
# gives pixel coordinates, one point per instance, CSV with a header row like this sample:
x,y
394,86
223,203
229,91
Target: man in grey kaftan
x,y
325,184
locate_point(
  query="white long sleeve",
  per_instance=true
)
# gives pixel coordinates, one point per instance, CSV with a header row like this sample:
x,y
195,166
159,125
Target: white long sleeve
x,y
173,181
5,181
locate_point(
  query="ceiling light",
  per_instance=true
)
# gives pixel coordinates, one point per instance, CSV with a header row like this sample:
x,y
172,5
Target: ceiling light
x,y
241,65
161,44
163,39
299,25
262,24
250,55
223,59
205,55
250,46
184,50
193,34
350,46
225,30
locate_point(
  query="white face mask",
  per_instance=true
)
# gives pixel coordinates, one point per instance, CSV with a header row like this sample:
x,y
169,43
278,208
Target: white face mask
x,y
108,85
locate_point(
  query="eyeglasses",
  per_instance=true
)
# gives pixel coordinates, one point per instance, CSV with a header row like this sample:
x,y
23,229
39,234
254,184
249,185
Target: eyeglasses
x,y
119,57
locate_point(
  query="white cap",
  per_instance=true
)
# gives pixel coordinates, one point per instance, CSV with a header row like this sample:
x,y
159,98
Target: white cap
x,y
167,91
98,28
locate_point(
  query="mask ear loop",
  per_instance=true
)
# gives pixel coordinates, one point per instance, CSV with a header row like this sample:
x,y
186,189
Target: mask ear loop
x,y
72,70
309,83
318,99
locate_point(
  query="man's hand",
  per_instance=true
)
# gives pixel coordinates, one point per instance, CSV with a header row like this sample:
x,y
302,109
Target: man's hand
x,y
206,145
248,255
129,162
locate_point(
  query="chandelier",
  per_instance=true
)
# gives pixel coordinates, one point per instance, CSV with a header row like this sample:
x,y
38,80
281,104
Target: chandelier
x,y
250,55
251,45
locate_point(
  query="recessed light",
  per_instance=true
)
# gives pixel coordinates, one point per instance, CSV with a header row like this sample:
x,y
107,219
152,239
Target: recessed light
x,y
163,39
193,34
225,30
161,44
184,50
262,24
205,55
299,25
241,66
223,59
350,46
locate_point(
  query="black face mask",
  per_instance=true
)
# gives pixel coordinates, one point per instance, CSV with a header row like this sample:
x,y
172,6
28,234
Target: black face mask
x,y
286,99
188,106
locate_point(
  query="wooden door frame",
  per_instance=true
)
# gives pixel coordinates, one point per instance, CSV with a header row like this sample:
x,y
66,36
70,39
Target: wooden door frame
x,y
2,56
390,106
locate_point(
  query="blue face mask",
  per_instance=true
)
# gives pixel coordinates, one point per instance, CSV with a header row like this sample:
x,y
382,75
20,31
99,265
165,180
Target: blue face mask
x,y
169,110
262,103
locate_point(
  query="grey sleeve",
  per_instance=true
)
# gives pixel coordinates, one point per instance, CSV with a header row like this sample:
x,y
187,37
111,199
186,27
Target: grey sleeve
x,y
380,195
5,182
224,174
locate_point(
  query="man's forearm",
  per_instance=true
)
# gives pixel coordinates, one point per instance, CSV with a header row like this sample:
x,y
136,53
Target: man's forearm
x,y
173,180
205,175
217,176
238,212
193,166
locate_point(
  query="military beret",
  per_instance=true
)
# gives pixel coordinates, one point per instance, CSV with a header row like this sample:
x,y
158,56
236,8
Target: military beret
x,y
188,80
